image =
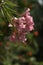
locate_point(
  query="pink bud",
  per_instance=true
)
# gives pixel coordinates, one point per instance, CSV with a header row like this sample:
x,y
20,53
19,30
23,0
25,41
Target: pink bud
x,y
10,25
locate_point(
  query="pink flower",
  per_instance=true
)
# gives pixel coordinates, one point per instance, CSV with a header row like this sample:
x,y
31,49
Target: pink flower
x,y
27,12
12,38
23,25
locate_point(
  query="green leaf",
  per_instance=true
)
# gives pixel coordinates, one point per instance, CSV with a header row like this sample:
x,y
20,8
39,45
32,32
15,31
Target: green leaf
x,y
7,15
10,10
10,3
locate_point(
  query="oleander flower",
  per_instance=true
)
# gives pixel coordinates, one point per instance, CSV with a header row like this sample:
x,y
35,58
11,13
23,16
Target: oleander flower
x,y
23,25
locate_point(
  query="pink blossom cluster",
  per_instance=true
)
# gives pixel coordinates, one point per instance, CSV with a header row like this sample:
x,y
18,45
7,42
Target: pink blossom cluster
x,y
23,25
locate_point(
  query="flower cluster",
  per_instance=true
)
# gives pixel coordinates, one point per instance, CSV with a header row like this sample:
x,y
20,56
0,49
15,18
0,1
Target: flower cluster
x,y
23,25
